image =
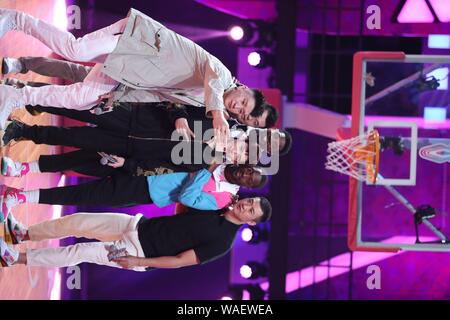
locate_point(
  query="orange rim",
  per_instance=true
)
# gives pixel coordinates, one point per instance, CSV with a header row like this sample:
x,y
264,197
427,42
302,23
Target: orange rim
x,y
377,151
374,144
377,154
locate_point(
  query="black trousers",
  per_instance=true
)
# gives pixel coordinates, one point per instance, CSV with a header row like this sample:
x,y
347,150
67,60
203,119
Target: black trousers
x,y
97,139
112,132
118,120
137,119
81,161
87,138
85,161
114,191
112,135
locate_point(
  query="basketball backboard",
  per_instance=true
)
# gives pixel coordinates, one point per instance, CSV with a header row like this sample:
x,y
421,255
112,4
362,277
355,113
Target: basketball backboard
x,y
406,98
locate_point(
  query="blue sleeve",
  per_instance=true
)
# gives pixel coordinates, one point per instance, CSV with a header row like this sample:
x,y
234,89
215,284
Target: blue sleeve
x,y
192,196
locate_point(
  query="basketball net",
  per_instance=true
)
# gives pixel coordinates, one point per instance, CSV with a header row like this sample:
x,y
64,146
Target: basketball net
x,y
357,157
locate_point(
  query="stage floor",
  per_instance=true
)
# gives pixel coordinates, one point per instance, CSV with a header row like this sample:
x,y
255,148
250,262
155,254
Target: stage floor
x,y
29,282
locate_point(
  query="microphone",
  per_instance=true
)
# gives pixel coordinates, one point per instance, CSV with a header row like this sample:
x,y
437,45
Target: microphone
x,y
100,108
106,158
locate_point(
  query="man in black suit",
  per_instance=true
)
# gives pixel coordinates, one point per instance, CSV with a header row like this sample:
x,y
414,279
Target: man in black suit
x,y
137,132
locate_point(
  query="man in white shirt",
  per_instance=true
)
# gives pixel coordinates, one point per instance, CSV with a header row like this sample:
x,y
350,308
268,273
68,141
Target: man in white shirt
x,y
138,52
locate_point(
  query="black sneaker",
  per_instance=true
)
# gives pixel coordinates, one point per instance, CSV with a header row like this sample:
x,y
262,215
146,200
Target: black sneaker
x,y
13,131
16,83
33,110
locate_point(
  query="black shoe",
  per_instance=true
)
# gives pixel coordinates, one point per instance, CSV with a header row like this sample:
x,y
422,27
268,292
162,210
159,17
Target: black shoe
x,y
33,110
13,131
16,83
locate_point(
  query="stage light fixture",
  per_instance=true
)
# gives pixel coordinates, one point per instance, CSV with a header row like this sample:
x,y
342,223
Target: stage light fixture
x,y
439,41
236,33
256,292
246,271
253,33
254,58
435,114
253,270
261,59
244,292
235,292
441,74
246,234
254,234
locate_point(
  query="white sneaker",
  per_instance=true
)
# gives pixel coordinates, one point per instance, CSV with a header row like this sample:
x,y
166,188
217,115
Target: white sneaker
x,y
15,232
11,65
10,198
7,21
11,168
8,256
2,133
9,101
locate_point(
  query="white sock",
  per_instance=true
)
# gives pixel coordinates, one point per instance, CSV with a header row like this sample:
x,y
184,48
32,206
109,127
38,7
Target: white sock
x,y
34,167
32,196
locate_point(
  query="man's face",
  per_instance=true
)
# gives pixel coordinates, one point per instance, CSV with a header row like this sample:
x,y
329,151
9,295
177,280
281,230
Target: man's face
x,y
245,175
237,151
256,122
239,101
248,210
267,136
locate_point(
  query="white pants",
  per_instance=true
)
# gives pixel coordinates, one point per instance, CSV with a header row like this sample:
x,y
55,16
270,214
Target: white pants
x,y
94,46
110,228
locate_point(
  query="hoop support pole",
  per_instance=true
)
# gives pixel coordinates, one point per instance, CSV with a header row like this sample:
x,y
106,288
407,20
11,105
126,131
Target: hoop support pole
x,y
398,85
411,208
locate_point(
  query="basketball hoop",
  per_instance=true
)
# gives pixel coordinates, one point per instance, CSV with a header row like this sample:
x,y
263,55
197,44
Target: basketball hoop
x,y
357,157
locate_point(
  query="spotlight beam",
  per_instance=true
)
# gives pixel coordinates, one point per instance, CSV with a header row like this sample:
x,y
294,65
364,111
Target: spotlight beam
x,y
197,34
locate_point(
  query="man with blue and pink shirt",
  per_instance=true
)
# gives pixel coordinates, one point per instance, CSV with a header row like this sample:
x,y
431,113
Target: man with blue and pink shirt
x,y
210,189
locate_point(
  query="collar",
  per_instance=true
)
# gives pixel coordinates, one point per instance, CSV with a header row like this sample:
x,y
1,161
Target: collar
x,y
234,83
222,185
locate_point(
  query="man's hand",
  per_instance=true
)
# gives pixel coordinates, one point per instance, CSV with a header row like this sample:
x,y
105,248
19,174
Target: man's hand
x,y
127,262
107,96
182,127
221,127
108,100
119,162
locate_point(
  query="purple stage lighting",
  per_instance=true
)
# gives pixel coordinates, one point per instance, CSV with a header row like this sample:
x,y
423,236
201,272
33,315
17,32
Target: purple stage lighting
x,y
254,58
261,59
414,11
253,270
236,33
255,234
246,271
247,234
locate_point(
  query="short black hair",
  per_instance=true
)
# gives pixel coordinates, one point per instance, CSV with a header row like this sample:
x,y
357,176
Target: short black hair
x,y
261,183
288,145
272,115
260,100
266,208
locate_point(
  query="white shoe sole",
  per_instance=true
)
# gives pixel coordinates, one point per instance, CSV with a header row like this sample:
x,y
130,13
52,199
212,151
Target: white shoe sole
x,y
2,133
